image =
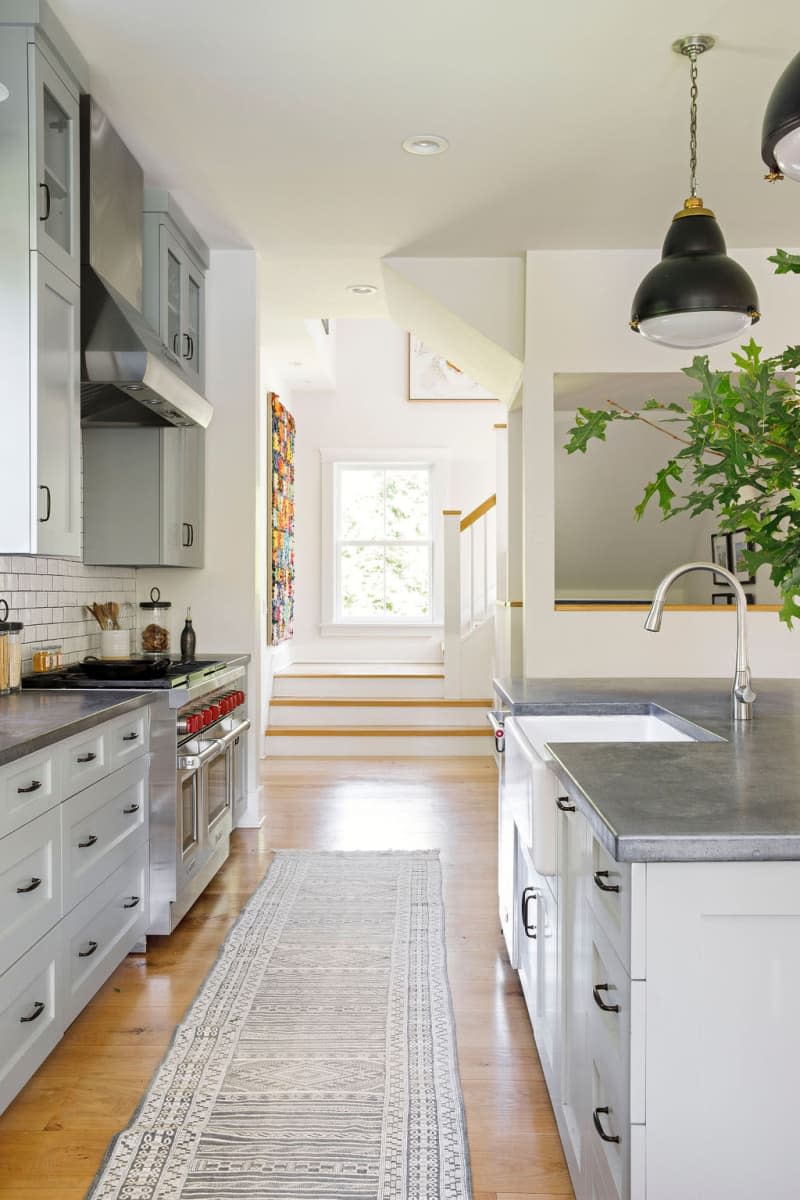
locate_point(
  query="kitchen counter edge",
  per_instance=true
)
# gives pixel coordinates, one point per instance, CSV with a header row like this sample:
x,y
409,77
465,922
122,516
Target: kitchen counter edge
x,y
53,716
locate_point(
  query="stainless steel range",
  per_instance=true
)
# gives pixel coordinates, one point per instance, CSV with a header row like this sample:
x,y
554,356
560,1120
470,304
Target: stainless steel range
x,y
198,736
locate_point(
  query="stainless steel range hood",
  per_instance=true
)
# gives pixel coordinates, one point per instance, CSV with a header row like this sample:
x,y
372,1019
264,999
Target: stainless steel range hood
x,y
128,377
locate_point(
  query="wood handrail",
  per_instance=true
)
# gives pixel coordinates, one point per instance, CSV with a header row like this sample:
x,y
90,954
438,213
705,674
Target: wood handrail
x,y
477,513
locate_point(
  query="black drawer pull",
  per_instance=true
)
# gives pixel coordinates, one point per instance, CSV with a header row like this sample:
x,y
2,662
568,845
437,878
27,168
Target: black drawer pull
x,y
38,1009
88,953
132,808
132,903
563,803
528,894
30,887
90,841
599,876
33,786
598,999
130,737
607,1137
46,216
84,758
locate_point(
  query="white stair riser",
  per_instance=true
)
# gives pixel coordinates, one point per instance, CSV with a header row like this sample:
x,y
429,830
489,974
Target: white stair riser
x,y
442,716
282,745
382,687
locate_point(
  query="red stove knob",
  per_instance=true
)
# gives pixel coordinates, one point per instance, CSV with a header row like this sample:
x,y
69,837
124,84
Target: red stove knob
x,y
216,711
228,704
207,716
240,697
194,723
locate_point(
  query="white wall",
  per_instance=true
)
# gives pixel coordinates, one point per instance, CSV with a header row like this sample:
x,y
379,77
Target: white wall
x,y
369,410
226,595
583,327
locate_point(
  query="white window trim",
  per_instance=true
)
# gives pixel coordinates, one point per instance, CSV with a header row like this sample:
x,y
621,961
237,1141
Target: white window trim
x,y
438,460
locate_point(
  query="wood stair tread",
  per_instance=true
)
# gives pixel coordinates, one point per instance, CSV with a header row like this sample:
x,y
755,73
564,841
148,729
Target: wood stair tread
x,y
375,702
356,731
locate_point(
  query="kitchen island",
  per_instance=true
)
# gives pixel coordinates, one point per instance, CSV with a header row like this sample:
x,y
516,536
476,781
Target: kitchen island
x,y
659,947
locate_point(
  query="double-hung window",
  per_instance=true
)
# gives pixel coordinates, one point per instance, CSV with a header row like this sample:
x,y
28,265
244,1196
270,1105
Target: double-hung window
x,y
383,542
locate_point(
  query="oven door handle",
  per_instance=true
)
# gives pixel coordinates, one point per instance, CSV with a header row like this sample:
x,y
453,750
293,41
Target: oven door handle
x,y
232,734
193,762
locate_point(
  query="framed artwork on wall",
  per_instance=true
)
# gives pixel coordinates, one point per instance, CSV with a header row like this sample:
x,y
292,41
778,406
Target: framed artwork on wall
x,y
282,530
738,545
720,555
431,376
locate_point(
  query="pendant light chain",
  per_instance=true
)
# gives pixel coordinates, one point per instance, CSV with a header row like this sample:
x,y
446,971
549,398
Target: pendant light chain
x,y
693,125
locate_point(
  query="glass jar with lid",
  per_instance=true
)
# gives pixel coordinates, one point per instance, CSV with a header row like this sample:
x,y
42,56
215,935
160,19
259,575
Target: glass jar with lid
x,y
10,652
155,631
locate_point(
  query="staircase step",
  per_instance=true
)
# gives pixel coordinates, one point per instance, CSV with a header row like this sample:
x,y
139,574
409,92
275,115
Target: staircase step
x,y
359,685
382,741
354,712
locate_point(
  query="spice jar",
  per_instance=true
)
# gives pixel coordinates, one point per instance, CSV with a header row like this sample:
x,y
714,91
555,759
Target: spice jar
x,y
10,652
154,635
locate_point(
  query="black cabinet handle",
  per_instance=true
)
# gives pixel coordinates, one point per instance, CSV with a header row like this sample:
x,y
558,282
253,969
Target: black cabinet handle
x,y
44,488
38,1009
189,352
175,348
563,803
191,534
528,894
130,737
29,887
132,808
607,1137
134,900
84,758
47,201
598,999
33,786
90,841
599,876
191,346
186,537
88,953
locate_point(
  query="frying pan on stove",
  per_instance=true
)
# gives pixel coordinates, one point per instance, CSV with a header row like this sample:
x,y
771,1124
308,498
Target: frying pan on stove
x,y
125,668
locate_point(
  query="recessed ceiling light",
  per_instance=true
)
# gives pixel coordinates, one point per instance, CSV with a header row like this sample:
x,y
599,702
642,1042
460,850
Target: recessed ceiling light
x,y
426,143
294,363
362,289
4,92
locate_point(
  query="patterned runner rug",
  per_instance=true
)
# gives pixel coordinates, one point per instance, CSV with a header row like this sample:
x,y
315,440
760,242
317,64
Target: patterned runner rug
x,y
318,1060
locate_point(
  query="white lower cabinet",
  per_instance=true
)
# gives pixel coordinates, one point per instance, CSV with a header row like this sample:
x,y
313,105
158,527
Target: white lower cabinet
x,y
31,1013
99,932
74,879
663,1000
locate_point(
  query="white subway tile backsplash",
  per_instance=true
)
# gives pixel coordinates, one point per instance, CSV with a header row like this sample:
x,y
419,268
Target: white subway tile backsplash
x,y
50,594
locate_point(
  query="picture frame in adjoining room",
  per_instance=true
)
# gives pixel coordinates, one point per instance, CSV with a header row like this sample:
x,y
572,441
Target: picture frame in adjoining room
x,y
432,377
722,598
737,546
720,556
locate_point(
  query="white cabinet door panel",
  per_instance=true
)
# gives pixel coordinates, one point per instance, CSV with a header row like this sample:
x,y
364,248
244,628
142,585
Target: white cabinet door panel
x,y
30,885
31,1013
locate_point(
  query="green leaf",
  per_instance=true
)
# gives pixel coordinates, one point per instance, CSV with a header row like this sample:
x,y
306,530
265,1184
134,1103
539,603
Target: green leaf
x,y
785,263
590,423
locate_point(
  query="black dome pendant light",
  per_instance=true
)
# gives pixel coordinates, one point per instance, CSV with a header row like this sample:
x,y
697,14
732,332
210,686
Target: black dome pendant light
x,y
780,134
696,296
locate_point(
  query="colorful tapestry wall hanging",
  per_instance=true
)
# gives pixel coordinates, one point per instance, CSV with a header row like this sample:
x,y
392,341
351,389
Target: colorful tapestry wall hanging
x,y
283,434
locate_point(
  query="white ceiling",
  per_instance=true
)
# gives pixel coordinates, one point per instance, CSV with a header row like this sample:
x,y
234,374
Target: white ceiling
x,y
278,123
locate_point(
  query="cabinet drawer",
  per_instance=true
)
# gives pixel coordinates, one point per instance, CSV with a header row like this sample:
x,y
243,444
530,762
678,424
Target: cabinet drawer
x,y
30,885
617,897
28,787
100,827
609,1137
128,737
31,1017
85,760
102,929
609,1008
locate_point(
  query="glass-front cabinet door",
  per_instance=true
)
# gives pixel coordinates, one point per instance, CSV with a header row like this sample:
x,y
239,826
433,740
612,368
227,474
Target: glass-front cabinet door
x,y
172,298
193,349
54,188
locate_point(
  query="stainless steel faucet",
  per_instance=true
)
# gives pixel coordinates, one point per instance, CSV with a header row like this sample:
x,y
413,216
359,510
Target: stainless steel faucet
x,y
743,694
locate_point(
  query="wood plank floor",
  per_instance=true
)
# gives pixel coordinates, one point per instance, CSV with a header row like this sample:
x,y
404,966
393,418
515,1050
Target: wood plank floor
x,y
54,1135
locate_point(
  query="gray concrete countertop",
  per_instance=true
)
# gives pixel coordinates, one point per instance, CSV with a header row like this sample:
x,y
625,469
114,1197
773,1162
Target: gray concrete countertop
x,y
731,800
30,720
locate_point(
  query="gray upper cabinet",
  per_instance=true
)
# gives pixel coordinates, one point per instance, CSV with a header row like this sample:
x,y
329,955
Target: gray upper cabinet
x,y
144,497
40,446
55,179
175,262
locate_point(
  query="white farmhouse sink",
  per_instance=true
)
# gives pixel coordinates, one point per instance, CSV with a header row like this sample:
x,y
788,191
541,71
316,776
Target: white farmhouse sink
x,y
537,731
622,727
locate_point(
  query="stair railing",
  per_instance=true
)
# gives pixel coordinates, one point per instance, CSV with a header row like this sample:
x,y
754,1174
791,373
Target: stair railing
x,y
470,581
